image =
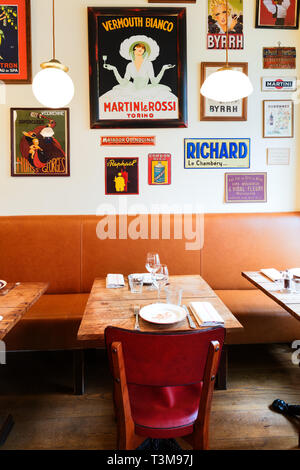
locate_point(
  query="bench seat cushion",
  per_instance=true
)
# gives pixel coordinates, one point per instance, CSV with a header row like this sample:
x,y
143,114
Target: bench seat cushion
x,y
264,321
51,324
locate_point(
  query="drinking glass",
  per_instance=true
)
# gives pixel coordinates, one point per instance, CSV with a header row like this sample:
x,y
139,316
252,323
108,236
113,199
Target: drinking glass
x,y
174,295
152,265
135,283
161,277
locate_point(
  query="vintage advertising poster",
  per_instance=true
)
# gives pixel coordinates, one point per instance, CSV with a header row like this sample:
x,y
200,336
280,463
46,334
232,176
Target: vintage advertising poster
x,y
15,44
137,67
280,14
211,110
245,187
216,153
40,142
127,140
279,57
278,118
279,84
219,20
121,175
159,169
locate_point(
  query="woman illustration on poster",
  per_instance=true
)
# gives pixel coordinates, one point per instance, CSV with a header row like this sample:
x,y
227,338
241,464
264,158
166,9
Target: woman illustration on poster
x,y
219,20
141,51
140,86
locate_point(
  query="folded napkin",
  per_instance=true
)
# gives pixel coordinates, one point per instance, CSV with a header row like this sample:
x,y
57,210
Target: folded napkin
x,y
272,274
113,281
206,314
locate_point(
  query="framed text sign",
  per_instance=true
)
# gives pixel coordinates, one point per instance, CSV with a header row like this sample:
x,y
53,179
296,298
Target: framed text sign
x,y
137,67
279,83
245,187
279,57
278,118
211,110
15,41
216,153
40,142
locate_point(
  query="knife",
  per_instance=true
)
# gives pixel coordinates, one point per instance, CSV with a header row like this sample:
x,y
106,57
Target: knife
x,y
136,313
191,321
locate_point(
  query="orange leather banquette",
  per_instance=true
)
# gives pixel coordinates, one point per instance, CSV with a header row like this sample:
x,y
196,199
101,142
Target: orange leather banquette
x,y
66,252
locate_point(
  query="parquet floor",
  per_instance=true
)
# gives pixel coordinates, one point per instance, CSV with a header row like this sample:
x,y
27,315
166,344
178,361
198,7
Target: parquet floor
x,y
37,389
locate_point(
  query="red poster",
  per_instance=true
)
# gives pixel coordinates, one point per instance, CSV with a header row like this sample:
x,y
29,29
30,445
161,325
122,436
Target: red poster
x,y
282,14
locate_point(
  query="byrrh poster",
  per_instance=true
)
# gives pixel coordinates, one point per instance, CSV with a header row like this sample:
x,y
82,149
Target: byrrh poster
x,y
137,66
220,20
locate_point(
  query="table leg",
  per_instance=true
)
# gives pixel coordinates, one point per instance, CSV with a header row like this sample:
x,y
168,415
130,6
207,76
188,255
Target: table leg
x,y
6,423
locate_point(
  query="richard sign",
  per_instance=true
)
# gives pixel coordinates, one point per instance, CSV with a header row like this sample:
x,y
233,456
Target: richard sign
x,y
216,153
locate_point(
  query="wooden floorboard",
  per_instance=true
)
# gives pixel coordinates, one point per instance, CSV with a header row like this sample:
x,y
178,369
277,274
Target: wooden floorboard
x,y
37,389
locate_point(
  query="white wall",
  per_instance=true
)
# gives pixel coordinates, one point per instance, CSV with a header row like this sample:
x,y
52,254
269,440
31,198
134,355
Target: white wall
x,y
83,192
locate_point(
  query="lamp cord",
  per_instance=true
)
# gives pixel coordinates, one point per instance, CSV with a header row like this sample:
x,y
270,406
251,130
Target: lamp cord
x,y
226,33
53,25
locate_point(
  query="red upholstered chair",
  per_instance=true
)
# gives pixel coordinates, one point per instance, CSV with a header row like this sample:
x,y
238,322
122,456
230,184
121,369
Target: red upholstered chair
x,y
163,383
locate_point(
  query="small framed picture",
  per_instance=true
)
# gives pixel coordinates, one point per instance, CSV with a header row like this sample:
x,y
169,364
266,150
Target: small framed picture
x,y
280,83
159,169
279,57
245,187
40,142
211,110
121,176
278,118
15,42
277,14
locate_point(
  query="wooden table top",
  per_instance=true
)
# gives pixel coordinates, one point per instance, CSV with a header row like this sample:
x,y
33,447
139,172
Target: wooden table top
x,y
288,300
115,307
16,302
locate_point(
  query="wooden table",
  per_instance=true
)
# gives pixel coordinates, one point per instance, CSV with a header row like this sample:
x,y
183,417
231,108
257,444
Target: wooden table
x,y
13,306
289,301
115,307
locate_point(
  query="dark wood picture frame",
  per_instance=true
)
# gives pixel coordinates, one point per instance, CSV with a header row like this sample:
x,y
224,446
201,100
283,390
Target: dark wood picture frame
x,y
102,81
23,45
35,133
203,116
291,103
274,26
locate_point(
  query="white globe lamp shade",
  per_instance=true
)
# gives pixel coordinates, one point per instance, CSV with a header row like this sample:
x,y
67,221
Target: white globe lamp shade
x,y
226,85
53,87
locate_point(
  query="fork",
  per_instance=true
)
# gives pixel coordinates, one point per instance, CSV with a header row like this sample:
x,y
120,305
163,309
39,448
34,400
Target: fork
x,y
136,313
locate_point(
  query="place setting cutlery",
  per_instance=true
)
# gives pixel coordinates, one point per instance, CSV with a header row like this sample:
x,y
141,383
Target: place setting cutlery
x,y
136,310
189,317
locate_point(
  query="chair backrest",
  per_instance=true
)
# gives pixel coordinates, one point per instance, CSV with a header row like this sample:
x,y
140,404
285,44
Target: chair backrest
x,y
164,359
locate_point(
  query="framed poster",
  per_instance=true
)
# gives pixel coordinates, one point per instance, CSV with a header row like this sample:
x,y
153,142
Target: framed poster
x,y
15,42
279,84
218,22
280,14
137,67
278,118
121,175
40,142
279,57
245,187
159,169
211,110
216,153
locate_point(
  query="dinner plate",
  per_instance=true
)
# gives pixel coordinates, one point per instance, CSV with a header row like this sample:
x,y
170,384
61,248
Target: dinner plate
x,y
295,272
162,314
2,284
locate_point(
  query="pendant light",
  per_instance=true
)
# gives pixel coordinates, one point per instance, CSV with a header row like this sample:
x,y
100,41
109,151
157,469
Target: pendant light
x,y
52,86
226,84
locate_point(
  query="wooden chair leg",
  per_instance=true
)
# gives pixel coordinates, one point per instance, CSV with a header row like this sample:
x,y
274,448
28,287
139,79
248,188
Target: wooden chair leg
x,y
221,380
78,371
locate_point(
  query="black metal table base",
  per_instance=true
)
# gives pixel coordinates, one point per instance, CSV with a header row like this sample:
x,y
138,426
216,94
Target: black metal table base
x,y
284,408
6,424
160,445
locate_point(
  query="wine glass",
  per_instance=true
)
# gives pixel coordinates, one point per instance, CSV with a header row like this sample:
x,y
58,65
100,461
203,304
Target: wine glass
x,y
161,277
152,265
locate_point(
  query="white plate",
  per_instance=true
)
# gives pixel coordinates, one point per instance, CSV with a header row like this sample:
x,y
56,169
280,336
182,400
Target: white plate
x,y
163,314
2,284
1,318
295,272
